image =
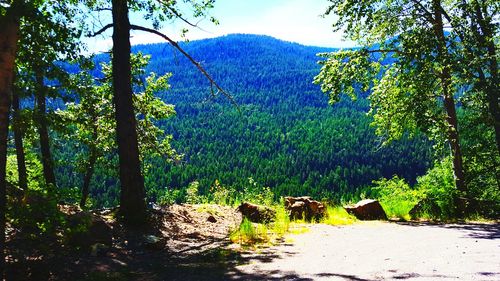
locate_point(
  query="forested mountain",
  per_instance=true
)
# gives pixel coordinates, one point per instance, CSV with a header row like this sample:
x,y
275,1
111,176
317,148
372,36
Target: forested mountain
x,y
282,133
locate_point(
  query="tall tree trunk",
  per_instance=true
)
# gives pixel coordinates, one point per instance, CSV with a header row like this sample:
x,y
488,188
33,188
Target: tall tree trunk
x,y
449,102
87,178
18,139
48,166
9,32
132,198
91,166
486,39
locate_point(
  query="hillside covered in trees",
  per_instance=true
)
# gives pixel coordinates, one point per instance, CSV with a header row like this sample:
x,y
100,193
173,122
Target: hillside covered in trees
x,y
281,133
97,150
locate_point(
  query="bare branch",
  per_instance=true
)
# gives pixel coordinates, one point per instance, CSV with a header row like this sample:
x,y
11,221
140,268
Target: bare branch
x,y
102,30
192,60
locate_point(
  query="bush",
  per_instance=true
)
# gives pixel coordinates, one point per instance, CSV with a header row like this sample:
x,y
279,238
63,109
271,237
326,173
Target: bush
x,y
192,196
281,223
438,187
396,197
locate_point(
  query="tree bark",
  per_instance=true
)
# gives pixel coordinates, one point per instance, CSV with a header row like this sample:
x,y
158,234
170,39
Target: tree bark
x,y
486,39
132,197
18,139
9,33
87,178
449,102
91,166
48,166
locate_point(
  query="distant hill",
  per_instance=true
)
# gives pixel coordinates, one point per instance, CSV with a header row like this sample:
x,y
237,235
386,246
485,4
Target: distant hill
x,y
285,136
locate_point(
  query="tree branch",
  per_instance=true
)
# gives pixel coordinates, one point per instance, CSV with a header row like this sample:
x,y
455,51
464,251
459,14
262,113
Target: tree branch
x,y
192,60
100,31
427,13
179,16
384,51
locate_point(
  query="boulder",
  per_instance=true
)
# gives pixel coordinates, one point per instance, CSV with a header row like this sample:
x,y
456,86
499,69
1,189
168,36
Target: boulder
x,y
304,208
87,229
367,209
256,213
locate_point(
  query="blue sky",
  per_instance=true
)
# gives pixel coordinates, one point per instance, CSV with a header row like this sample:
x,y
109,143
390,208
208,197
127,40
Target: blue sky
x,y
290,20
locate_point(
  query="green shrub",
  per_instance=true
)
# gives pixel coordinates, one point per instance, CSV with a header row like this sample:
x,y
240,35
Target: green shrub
x,y
192,196
222,195
396,197
281,222
171,196
438,186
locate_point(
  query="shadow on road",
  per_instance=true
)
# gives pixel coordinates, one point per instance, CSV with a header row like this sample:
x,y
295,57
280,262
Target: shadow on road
x,y
470,230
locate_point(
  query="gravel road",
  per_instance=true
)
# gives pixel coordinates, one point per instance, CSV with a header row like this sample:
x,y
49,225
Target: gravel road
x,y
380,251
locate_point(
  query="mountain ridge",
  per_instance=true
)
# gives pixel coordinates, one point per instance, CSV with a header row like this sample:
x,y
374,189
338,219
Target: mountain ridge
x,y
283,134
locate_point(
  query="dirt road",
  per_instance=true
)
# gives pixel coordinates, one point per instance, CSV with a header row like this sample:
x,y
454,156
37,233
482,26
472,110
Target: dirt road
x,y
359,252
380,251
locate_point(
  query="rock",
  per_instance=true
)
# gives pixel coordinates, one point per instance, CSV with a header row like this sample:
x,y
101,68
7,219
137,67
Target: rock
x,y
152,242
212,219
304,208
256,213
87,229
367,209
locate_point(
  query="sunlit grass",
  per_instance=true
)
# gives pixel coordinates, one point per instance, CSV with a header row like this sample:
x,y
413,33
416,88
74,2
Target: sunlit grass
x,y
336,215
281,224
249,234
397,209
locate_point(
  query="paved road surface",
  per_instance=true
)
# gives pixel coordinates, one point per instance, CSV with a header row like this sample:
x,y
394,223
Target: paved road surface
x,y
380,251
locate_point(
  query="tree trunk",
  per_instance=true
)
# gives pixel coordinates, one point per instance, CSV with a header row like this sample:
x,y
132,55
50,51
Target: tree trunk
x,y
449,102
9,32
18,139
132,198
91,166
492,86
48,166
86,180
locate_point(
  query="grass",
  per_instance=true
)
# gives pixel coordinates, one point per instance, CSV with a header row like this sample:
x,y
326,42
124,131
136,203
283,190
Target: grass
x,y
251,234
336,215
209,209
397,208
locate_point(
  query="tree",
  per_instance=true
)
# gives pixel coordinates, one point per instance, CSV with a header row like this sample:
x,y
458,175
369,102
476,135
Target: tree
x,y
9,30
475,28
95,125
406,59
12,13
132,198
18,140
55,40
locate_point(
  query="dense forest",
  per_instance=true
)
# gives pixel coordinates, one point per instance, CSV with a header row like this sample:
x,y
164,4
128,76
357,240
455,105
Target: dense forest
x,y
281,133
411,116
